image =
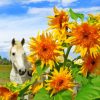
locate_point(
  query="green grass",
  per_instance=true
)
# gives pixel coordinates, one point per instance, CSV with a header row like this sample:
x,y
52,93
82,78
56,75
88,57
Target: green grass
x,y
4,73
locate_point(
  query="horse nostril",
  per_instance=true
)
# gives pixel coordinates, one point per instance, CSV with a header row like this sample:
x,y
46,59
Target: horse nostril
x,y
30,73
19,70
22,72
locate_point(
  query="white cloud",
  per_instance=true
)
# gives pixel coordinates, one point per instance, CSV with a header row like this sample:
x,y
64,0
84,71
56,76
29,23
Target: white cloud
x,y
34,1
42,11
67,2
5,2
21,27
87,10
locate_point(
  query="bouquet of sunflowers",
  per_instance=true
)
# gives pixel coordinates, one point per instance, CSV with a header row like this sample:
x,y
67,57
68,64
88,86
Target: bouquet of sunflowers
x,y
58,75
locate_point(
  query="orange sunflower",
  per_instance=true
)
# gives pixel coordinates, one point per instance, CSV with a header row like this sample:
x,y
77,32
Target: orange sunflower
x,y
6,94
59,20
91,65
46,49
61,80
86,38
59,23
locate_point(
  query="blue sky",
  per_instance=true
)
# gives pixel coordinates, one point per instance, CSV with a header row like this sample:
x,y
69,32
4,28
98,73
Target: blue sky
x,y
24,18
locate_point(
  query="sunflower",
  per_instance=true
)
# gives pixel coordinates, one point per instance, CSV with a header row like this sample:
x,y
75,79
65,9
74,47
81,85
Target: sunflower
x,y
59,20
58,23
31,59
91,65
6,94
46,49
35,88
61,80
86,38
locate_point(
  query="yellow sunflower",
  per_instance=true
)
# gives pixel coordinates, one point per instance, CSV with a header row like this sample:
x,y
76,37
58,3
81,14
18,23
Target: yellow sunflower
x,y
91,65
35,88
46,49
6,94
31,59
61,80
59,20
59,23
86,38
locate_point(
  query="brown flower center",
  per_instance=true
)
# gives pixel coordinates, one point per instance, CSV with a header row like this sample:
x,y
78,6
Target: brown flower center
x,y
93,62
60,82
45,49
86,35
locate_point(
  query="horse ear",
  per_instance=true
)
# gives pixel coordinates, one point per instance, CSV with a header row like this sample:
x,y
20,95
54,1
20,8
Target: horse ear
x,y
23,41
13,42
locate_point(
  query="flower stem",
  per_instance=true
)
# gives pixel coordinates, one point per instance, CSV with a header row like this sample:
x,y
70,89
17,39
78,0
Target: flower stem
x,y
67,53
68,50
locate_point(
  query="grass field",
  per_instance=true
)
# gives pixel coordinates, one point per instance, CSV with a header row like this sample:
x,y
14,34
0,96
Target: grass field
x,y
4,74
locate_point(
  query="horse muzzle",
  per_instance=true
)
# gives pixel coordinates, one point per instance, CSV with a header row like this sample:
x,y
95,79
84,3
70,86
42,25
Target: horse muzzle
x,y
22,72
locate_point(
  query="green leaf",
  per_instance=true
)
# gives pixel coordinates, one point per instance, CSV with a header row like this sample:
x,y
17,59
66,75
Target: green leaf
x,y
88,92
68,63
77,76
81,16
92,20
63,95
40,70
38,63
18,98
75,16
58,97
96,81
91,91
42,95
67,95
22,91
81,80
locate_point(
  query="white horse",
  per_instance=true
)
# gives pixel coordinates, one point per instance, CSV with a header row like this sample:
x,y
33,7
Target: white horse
x,y
20,66
20,71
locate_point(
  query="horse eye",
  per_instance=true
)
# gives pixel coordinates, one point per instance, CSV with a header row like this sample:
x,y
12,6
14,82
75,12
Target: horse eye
x,y
13,54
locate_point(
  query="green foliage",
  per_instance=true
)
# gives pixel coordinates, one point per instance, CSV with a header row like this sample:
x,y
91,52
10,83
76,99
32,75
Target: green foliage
x,y
91,91
75,16
92,20
42,95
40,70
96,81
4,74
63,95
27,85
4,61
21,92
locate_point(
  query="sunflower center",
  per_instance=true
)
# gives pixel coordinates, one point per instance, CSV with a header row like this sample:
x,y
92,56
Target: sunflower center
x,y
60,82
93,62
45,49
85,36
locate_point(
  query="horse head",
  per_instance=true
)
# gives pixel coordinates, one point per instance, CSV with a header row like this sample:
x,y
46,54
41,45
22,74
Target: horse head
x,y
18,56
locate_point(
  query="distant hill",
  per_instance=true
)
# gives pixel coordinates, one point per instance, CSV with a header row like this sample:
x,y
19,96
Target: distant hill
x,y
4,61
